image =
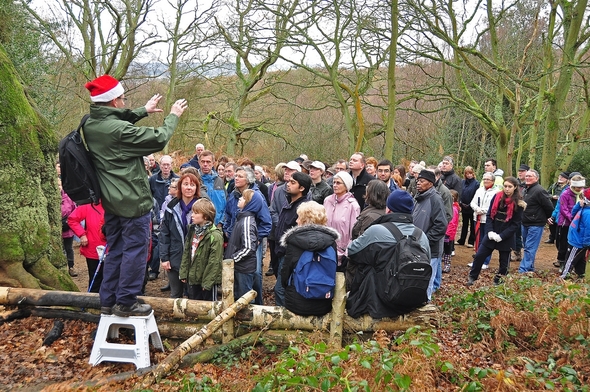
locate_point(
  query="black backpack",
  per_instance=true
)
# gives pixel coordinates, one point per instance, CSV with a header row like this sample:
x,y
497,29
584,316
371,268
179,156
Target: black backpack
x,y
404,280
78,175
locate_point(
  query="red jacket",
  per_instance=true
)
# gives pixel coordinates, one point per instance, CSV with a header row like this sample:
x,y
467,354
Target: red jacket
x,y
94,217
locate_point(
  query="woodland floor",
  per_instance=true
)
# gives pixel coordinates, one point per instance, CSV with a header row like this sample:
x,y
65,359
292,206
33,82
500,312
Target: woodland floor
x,y
26,364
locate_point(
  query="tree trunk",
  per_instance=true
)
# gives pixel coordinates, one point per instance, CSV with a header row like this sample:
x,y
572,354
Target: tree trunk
x,y
30,217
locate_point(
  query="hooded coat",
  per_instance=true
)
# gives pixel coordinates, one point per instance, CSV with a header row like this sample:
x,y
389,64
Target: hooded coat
x,y
369,255
297,240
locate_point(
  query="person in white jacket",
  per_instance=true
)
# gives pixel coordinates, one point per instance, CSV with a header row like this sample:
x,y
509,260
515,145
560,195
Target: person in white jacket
x,y
480,204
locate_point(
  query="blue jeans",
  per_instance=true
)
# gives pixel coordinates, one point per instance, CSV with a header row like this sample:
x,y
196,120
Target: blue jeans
x,y
279,289
257,284
124,266
242,283
436,277
531,238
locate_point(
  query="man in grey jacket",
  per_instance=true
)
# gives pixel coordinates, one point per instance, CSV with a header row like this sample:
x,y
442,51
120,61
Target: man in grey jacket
x,y
429,215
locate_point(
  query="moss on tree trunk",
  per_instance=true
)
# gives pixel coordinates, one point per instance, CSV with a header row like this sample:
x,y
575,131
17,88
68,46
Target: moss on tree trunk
x,y
30,218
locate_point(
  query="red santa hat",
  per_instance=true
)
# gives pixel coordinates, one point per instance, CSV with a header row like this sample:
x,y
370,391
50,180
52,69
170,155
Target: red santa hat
x,y
105,88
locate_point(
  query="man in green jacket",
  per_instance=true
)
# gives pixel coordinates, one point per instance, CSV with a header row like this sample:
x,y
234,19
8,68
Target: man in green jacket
x,y
117,147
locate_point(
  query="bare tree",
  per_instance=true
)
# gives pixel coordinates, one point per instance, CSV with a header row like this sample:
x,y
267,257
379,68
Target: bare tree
x,y
98,37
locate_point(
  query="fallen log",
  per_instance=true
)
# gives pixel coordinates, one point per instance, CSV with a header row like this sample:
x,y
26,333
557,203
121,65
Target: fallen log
x,y
279,338
253,316
163,307
176,356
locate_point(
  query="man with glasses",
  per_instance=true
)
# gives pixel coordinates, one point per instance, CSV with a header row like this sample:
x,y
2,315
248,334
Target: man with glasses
x,y
160,182
117,147
536,214
384,169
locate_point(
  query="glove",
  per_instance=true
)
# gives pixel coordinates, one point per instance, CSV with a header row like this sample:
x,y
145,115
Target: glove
x,y
492,235
497,237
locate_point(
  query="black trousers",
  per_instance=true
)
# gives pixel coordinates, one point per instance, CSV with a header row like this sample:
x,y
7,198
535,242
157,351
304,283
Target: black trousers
x,y
480,257
561,242
468,226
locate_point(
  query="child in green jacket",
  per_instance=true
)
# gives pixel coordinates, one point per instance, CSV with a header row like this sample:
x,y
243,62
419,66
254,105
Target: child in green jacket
x,y
200,268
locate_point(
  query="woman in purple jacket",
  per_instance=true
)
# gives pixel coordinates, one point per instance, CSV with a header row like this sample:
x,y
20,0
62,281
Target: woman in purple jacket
x,y
567,201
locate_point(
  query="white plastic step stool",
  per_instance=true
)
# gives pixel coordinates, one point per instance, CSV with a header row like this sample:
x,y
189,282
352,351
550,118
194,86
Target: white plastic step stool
x,y
138,353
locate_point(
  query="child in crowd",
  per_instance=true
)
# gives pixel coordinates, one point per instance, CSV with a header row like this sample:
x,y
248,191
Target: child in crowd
x,y
172,193
200,267
451,232
579,237
242,246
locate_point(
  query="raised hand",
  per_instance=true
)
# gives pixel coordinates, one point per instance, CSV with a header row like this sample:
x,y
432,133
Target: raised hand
x,y
179,107
152,105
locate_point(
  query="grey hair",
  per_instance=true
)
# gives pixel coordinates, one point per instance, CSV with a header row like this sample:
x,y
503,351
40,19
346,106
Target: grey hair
x,y
488,174
249,173
536,173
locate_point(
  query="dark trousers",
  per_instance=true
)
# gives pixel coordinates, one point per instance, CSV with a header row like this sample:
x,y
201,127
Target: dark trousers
x,y
577,262
553,231
196,291
92,264
155,261
468,226
484,253
124,267
561,242
176,285
68,244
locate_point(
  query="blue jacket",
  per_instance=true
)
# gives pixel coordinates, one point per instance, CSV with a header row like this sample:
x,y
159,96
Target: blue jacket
x,y
579,233
160,186
257,205
469,189
216,193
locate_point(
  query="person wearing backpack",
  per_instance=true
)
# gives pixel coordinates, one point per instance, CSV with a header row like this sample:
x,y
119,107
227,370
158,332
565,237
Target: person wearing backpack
x,y
374,253
311,236
117,147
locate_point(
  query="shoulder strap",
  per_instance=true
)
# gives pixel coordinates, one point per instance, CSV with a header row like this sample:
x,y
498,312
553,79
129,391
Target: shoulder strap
x,y
392,227
417,233
80,129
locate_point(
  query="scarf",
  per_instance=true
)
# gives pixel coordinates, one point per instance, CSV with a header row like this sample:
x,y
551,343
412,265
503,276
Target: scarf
x,y
508,203
199,233
185,209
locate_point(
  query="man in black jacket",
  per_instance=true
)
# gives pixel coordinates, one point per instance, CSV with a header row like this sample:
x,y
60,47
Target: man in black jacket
x,y
360,177
538,210
297,188
449,178
430,217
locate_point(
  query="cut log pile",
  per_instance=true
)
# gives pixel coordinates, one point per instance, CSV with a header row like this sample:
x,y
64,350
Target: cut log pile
x,y
196,320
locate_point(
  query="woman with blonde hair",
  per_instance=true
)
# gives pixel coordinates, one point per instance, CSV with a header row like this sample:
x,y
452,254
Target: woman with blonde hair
x,y
311,233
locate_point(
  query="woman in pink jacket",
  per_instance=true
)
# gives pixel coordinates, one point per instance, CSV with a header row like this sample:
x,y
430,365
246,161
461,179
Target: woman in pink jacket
x,y
90,238
451,233
342,210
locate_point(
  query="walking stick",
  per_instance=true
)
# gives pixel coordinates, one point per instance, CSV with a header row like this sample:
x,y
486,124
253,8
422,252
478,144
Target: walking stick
x,y
100,260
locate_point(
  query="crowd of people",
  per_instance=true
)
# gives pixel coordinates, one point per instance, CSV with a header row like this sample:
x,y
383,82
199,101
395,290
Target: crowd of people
x,y
185,223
